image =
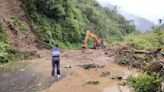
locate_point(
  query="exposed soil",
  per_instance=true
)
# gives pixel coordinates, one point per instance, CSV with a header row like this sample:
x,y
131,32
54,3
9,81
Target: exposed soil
x,y
19,40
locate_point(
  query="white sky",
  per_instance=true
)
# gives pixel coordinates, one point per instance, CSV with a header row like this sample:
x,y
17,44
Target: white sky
x,y
149,9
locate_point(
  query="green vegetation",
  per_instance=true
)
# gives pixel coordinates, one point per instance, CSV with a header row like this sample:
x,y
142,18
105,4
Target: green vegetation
x,y
146,83
5,54
153,40
67,45
19,23
149,40
64,21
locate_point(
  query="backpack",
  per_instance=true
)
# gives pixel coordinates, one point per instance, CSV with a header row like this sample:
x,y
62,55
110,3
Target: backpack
x,y
55,52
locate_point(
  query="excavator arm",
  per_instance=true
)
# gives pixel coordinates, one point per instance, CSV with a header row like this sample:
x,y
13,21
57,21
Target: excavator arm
x,y
94,36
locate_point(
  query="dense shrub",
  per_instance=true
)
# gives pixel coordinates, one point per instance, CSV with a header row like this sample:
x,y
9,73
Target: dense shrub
x,y
67,20
5,54
22,26
146,83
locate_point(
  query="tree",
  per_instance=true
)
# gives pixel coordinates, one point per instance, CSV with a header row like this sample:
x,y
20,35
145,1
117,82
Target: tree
x,y
160,21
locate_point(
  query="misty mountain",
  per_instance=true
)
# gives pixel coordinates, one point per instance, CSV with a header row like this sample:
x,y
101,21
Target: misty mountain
x,y
141,24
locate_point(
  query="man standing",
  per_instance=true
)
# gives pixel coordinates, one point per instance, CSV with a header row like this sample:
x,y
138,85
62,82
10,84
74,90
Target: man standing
x,y
56,60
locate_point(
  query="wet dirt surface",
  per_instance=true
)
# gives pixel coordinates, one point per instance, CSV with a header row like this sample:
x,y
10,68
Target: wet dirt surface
x,y
35,75
23,79
16,80
78,79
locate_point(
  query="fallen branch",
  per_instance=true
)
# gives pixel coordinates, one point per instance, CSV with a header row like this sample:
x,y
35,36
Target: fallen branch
x,y
92,83
155,53
145,52
139,51
89,66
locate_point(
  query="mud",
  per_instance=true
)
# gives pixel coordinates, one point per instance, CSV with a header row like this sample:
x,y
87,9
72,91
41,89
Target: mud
x,y
20,78
35,75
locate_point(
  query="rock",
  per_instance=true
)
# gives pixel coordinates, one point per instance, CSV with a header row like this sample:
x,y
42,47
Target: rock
x,y
113,78
106,53
123,83
119,77
22,70
116,77
105,74
68,66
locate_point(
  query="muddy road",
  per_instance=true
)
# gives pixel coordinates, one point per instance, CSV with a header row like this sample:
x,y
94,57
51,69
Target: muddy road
x,y
23,77
34,75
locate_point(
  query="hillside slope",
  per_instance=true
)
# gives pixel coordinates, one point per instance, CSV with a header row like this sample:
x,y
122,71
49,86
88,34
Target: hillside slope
x,y
29,22
12,13
17,39
68,23
67,20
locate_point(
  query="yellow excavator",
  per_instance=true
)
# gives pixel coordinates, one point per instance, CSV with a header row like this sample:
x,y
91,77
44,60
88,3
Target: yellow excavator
x,y
97,41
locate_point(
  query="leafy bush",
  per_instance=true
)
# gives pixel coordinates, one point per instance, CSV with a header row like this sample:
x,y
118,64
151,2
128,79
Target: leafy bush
x,y
6,54
145,83
18,23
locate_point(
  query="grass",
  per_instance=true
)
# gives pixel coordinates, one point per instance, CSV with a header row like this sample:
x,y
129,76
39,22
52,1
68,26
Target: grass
x,y
149,40
19,23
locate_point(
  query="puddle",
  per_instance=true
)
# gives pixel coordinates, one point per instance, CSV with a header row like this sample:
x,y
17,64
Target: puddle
x,y
22,80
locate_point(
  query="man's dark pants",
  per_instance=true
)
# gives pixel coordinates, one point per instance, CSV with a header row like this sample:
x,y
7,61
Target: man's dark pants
x,y
55,63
